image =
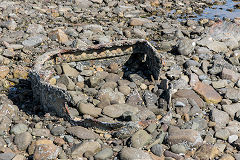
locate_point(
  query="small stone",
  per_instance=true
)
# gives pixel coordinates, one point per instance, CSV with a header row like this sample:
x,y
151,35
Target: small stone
x,y
143,86
7,156
35,28
114,67
133,154
178,148
57,131
124,90
138,21
220,117
62,37
87,146
45,149
53,81
157,149
82,133
104,154
4,70
41,132
208,93
185,135
66,81
20,72
87,73
232,138
207,151
227,157
33,41
190,94
222,134
140,139
116,110
23,140
233,94
19,128
186,46
219,84
230,75
19,157
89,109
231,109
69,71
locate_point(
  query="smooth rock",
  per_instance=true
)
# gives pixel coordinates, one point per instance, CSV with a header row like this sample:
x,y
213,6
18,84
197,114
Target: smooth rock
x,y
104,154
87,146
23,140
4,70
41,132
19,128
82,133
89,109
208,93
157,149
57,131
178,148
140,139
222,134
207,151
186,46
116,110
230,75
185,135
69,71
33,41
133,154
231,109
45,149
220,117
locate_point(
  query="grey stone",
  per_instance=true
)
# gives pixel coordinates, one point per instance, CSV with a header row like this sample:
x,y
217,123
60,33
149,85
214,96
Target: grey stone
x,y
157,149
116,110
69,71
7,156
222,134
124,90
33,41
220,117
57,131
19,128
82,132
104,154
87,73
178,148
133,154
232,138
87,146
41,132
35,28
66,81
186,46
140,139
23,140
113,97
231,109
233,94
150,98
89,109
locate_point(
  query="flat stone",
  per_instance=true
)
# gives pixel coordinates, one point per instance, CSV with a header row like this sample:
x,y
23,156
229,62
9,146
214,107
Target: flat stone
x,y
233,94
140,139
61,36
187,93
124,90
157,149
89,109
139,21
219,84
57,131
208,93
69,71
64,79
186,46
133,154
104,154
227,157
116,110
7,156
178,148
220,117
19,128
112,96
207,151
4,70
88,146
232,138
45,149
185,135
222,134
82,133
23,140
35,28
19,157
231,109
41,132
33,41
230,75
93,27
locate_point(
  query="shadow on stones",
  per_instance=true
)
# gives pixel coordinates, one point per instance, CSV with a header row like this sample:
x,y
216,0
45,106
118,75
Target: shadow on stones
x,y
21,95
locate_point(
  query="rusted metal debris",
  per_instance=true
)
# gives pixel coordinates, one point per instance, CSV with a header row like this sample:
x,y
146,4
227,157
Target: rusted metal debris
x,y
54,99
